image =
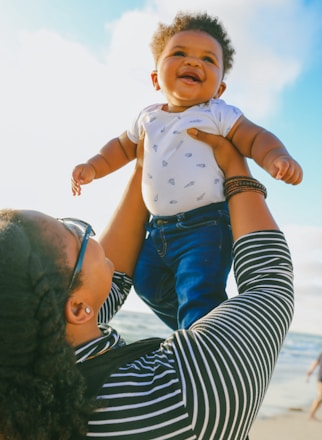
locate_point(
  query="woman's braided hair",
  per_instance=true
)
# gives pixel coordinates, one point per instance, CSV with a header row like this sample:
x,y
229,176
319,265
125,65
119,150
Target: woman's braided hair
x,y
188,22
41,390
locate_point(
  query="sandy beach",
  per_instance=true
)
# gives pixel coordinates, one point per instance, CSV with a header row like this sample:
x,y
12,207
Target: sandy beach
x,y
293,425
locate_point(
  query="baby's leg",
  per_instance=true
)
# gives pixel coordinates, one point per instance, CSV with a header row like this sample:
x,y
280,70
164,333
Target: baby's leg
x,y
154,283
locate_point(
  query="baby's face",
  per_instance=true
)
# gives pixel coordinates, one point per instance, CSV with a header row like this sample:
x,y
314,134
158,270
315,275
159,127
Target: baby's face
x,y
190,70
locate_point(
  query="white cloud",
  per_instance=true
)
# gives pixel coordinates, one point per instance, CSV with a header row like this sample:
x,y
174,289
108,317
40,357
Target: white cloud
x,y
306,248
305,243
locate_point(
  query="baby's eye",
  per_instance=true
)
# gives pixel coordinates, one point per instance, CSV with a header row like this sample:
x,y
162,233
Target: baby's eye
x,y
209,60
179,53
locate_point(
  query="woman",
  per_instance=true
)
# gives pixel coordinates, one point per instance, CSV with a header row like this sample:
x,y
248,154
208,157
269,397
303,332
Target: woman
x,y
205,383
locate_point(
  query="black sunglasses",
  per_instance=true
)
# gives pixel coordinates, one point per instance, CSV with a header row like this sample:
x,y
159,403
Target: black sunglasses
x,y
83,230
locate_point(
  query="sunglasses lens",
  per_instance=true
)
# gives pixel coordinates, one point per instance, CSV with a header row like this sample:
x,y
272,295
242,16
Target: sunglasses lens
x,y
77,226
83,230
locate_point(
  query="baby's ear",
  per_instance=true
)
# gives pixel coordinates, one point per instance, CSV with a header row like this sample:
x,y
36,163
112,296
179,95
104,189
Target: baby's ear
x,y
154,78
221,89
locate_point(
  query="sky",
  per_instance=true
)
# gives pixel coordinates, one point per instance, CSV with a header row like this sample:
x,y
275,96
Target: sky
x,y
74,73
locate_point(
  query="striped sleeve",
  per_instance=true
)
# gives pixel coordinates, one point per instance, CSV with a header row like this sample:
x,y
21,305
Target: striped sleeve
x,y
208,382
121,285
228,357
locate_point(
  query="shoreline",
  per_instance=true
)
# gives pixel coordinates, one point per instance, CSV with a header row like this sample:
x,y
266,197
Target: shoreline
x,y
294,424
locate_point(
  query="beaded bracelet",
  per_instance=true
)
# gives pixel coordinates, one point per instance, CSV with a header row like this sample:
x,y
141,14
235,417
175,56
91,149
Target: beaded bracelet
x,y
237,184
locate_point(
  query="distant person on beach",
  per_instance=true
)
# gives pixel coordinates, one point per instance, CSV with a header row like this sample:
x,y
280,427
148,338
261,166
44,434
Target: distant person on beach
x,y
186,258
64,376
316,402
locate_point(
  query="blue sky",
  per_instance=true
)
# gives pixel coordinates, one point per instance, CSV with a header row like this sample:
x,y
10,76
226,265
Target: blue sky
x,y
73,73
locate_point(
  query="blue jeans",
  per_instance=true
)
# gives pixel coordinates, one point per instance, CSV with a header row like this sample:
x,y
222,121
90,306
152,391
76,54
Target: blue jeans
x,y
182,270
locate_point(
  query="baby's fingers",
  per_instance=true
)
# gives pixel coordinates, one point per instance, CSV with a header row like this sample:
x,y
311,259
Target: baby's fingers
x,y
290,172
76,188
297,174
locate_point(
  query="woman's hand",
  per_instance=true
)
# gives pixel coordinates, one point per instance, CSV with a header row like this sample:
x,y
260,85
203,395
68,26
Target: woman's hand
x,y
228,158
140,151
248,209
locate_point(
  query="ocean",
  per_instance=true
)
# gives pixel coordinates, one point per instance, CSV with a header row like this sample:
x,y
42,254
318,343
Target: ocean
x,y
288,390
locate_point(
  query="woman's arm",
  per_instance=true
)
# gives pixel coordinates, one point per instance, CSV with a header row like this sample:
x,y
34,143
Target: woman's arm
x,y
122,240
123,236
227,358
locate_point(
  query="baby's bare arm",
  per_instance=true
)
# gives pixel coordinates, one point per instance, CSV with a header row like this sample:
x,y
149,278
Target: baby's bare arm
x,y
114,155
266,150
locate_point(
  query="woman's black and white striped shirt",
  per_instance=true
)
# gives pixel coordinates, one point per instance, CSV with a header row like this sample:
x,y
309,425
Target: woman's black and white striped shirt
x,y
207,382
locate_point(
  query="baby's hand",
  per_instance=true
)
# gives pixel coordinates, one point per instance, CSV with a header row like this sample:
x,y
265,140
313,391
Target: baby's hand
x,y
81,175
76,188
285,168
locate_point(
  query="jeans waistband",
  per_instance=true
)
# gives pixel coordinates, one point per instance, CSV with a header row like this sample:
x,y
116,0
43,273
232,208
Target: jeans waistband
x,y
210,209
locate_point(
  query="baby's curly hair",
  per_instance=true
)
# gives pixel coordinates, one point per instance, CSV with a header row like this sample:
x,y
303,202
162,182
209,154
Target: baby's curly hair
x,y
187,22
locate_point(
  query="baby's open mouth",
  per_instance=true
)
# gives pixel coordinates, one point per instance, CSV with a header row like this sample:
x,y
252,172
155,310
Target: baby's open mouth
x,y
190,77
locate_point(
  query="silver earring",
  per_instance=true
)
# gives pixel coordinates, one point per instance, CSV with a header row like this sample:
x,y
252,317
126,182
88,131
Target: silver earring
x,y
87,310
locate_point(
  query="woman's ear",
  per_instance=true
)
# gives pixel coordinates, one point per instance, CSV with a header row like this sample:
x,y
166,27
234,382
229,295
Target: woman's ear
x,y
77,312
154,78
221,89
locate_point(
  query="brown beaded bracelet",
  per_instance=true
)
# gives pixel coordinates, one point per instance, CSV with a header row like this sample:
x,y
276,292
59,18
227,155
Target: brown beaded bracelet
x,y
237,184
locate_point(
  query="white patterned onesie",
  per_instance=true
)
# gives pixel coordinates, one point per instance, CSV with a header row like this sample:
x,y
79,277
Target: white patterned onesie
x,y
179,172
